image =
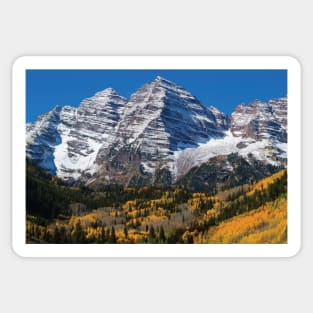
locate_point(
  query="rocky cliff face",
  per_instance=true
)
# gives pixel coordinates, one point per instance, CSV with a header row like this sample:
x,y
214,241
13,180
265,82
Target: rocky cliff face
x,y
66,140
260,120
159,119
155,137
164,106
279,109
42,138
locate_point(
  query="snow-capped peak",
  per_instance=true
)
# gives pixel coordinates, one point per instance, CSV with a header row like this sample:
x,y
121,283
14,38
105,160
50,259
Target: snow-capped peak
x,y
57,108
160,79
162,126
261,120
107,92
169,87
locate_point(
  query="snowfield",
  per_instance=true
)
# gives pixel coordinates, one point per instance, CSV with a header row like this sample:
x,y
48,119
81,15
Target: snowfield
x,y
183,160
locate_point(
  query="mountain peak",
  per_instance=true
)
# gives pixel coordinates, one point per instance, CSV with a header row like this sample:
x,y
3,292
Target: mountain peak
x,y
260,120
162,80
110,139
107,92
282,100
57,108
214,109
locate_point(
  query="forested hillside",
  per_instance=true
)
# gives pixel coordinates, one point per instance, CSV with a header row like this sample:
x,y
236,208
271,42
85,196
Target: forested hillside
x,y
250,213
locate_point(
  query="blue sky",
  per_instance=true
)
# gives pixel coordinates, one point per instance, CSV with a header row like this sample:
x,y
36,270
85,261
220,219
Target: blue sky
x,y
224,89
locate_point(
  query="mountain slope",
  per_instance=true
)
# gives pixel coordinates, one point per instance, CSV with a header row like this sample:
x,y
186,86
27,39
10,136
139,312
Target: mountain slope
x,y
158,136
255,215
58,213
160,118
225,171
267,224
66,140
259,120
42,137
257,130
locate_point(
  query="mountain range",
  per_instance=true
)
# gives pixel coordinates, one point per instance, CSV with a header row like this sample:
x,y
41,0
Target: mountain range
x,y
162,135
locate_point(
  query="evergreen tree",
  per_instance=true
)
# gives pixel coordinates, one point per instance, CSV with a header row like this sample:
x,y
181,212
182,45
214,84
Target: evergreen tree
x,y
63,235
57,235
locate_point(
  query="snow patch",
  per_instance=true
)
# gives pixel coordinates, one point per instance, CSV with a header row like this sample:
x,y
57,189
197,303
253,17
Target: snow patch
x,y
185,159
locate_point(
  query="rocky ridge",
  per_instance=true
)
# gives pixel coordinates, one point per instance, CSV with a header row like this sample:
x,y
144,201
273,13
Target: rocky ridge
x,y
155,137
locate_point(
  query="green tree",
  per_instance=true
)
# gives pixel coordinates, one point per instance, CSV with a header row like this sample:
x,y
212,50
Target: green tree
x,y
57,235
63,235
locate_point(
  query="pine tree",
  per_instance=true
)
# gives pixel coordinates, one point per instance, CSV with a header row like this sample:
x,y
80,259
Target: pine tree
x,y
57,235
63,236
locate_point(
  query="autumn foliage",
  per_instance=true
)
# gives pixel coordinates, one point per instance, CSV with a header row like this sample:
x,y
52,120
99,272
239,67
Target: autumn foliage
x,y
251,213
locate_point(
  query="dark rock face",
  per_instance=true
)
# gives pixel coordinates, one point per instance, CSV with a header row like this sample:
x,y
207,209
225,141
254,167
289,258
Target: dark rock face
x,y
225,172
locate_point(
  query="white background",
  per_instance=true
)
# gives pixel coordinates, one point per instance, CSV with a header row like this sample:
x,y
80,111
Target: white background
x,y
169,27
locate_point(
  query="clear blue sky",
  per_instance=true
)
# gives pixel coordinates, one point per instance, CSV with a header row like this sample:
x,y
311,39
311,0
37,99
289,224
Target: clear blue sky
x,y
224,89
